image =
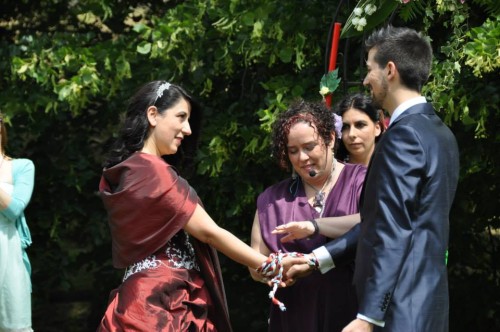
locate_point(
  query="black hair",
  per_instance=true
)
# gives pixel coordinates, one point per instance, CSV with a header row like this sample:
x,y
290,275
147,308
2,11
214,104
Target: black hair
x,y
362,103
135,129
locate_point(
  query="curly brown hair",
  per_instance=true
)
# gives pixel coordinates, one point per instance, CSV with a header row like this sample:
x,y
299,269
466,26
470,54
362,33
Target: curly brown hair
x,y
314,113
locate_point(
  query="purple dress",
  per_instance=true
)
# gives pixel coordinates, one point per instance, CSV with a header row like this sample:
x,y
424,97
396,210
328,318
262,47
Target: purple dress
x,y
318,302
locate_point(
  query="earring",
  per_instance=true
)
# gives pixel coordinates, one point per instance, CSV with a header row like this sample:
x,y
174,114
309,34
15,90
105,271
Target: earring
x,y
294,174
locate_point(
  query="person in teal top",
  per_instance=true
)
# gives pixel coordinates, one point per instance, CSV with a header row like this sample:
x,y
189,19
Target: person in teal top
x,y
16,186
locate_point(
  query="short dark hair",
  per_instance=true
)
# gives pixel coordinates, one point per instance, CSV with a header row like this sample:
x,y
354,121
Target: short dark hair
x,y
408,49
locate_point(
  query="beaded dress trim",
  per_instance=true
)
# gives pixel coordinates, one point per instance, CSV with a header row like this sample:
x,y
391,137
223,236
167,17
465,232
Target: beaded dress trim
x,y
180,255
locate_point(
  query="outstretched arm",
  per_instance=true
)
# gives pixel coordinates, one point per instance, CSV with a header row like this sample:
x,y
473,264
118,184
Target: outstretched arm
x,y
331,227
258,244
337,252
202,227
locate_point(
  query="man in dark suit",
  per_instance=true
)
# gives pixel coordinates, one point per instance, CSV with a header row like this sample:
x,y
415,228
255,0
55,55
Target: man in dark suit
x,y
401,242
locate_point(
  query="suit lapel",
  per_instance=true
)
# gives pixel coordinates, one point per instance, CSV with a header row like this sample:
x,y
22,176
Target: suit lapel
x,y
424,108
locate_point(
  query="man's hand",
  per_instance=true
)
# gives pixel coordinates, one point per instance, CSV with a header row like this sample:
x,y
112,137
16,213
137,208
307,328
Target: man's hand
x,y
298,269
358,325
294,230
295,267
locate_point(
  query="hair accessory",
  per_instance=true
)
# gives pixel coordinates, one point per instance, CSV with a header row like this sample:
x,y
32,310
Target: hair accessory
x,y
337,121
161,89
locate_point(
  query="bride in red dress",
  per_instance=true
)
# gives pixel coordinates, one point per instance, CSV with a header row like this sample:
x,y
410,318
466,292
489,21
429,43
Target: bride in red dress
x,y
161,235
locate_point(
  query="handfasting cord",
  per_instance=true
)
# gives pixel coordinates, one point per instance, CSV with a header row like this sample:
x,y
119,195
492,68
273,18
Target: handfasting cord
x,y
272,264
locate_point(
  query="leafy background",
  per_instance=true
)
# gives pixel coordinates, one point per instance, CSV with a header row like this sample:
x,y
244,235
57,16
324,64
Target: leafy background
x,y
68,67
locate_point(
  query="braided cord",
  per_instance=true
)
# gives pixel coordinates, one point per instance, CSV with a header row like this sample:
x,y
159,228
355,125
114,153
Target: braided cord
x,y
272,270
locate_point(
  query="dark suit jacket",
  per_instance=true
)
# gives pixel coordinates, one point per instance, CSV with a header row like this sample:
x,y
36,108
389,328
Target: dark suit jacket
x,y
402,240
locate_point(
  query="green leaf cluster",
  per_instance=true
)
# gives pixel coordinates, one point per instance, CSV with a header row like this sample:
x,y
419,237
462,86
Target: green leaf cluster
x,y
329,82
482,52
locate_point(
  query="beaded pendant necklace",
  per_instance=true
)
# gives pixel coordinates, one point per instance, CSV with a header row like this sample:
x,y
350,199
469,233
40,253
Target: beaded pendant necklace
x,y
320,195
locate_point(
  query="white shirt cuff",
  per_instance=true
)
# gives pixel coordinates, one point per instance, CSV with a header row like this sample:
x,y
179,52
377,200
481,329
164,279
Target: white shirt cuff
x,y
370,320
325,261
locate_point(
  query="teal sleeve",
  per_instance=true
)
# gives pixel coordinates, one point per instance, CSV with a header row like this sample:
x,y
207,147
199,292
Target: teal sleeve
x,y
24,180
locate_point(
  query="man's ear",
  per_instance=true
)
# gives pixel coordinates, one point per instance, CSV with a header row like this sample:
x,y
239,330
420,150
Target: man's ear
x,y
391,70
152,113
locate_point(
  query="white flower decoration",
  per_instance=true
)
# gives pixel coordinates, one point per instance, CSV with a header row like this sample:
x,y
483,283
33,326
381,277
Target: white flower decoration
x,y
324,90
358,11
360,24
370,9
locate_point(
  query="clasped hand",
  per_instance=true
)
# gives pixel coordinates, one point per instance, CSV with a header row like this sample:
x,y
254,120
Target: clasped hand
x,y
293,267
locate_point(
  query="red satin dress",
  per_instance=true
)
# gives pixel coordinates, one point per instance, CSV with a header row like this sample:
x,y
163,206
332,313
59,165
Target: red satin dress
x,y
172,282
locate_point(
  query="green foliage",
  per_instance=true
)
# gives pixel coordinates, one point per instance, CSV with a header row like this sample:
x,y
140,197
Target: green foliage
x,y
492,7
67,69
483,51
329,82
412,10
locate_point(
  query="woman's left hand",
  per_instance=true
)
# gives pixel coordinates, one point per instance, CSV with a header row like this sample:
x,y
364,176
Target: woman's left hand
x,y
294,230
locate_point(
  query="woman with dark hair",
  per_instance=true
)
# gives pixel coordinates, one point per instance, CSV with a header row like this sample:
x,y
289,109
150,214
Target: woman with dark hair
x,y
303,141
161,235
362,126
17,178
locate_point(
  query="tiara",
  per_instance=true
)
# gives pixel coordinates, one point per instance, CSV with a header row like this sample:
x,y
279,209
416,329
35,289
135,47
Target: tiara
x,y
160,90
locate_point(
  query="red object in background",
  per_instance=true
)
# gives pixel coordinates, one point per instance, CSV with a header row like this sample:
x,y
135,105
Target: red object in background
x,y
333,55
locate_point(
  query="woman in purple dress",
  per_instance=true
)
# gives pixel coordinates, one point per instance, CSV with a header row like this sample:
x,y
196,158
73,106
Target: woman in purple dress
x,y
304,140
